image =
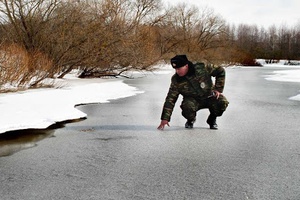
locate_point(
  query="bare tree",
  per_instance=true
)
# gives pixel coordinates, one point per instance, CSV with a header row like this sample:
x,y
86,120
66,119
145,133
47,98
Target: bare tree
x,y
71,37
209,30
25,19
128,39
174,30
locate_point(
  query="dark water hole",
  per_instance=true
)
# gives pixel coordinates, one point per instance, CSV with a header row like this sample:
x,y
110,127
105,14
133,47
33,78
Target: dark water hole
x,y
15,141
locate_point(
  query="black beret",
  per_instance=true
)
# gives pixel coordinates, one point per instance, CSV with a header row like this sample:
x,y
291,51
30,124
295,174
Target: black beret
x,y
179,61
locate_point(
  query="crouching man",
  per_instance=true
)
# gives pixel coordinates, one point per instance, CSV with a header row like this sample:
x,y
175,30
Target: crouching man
x,y
194,83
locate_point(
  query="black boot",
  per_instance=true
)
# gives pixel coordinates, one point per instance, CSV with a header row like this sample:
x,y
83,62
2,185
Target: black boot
x,y
212,122
189,123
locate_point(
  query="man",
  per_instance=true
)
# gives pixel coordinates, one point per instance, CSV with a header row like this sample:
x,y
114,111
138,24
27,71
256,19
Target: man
x,y
194,83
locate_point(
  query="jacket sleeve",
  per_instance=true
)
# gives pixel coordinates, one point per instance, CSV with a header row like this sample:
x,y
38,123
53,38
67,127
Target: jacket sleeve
x,y
170,101
219,73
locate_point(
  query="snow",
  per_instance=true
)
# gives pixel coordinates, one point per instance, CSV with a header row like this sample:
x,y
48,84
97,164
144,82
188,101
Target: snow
x,y
40,108
285,75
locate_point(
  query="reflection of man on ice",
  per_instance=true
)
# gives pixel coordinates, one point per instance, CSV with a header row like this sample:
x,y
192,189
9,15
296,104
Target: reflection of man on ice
x,y
194,83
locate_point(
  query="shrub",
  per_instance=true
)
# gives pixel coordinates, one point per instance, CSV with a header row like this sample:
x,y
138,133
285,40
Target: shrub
x,y
21,69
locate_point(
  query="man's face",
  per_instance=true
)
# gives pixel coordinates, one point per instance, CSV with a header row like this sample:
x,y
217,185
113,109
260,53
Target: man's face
x,y
182,71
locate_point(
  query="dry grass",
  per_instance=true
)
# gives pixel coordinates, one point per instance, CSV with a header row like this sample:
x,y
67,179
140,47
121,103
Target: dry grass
x,y
21,69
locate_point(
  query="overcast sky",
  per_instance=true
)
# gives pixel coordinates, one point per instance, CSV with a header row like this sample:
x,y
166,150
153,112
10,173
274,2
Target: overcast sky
x,y
260,12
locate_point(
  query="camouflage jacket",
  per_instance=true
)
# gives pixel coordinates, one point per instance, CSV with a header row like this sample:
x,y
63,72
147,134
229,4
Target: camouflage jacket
x,y
197,83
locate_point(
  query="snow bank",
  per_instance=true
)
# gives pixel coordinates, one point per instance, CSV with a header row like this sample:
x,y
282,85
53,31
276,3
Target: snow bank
x,y
40,108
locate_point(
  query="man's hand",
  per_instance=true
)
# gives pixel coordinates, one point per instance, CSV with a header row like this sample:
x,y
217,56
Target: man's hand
x,y
217,94
162,124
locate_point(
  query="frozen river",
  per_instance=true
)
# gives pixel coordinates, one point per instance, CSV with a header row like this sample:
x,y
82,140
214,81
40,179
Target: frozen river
x,y
117,153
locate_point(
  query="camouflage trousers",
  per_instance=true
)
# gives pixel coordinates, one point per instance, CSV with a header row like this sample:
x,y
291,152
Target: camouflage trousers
x,y
190,106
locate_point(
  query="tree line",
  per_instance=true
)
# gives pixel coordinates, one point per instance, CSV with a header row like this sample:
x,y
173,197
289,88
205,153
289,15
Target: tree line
x,y
273,43
49,38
